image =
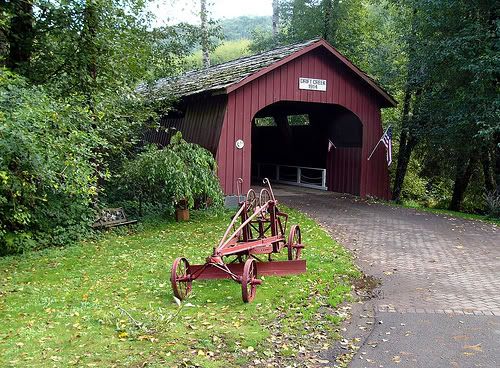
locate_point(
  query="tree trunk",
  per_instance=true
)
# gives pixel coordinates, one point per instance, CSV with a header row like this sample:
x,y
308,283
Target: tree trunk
x,y
90,49
4,31
407,140
276,18
140,204
88,59
406,144
496,161
462,179
489,179
204,34
327,20
20,34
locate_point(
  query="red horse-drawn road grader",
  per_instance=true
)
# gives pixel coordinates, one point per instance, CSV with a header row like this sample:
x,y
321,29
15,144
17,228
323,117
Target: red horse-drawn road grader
x,y
240,254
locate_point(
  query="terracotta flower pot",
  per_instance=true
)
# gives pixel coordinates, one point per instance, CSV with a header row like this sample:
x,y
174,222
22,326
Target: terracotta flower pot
x,y
181,214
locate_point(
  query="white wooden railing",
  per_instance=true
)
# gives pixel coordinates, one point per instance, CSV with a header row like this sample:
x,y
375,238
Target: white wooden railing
x,y
309,177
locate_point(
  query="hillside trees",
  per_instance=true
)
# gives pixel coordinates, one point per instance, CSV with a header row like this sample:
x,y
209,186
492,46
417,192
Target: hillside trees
x,y
204,33
242,27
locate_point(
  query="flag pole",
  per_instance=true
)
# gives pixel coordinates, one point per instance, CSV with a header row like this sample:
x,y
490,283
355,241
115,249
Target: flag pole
x,y
371,154
380,140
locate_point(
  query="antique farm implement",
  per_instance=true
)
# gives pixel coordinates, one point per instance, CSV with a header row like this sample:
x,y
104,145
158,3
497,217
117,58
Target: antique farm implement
x,y
256,232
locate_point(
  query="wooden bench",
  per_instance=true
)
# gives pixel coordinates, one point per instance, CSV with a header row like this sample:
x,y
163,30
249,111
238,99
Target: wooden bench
x,y
111,217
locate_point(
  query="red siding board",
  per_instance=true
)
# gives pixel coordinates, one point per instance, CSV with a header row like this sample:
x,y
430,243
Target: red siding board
x,y
324,75
309,66
343,170
247,137
282,84
261,86
297,71
221,154
271,77
238,133
230,138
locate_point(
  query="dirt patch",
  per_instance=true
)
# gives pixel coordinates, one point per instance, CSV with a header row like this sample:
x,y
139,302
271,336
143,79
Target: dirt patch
x,y
366,284
367,287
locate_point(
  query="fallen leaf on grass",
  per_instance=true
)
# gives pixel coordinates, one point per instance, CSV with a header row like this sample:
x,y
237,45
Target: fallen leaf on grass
x,y
177,301
123,335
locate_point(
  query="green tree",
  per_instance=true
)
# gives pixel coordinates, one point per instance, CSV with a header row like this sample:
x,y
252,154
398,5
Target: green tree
x,y
451,89
47,174
75,113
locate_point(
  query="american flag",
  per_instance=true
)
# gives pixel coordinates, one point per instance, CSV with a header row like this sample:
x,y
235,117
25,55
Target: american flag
x,y
387,141
331,145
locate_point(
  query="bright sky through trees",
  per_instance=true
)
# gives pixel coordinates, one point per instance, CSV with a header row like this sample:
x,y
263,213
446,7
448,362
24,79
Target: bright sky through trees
x,y
173,11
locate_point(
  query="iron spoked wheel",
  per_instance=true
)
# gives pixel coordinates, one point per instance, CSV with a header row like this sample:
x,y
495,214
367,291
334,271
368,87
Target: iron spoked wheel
x,y
251,201
294,244
264,197
249,280
180,277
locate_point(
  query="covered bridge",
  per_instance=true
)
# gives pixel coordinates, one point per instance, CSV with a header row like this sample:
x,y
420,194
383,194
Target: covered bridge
x,y
301,114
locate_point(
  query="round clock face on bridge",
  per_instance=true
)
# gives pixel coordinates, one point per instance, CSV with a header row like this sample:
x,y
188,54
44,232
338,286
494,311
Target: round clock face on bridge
x,y
240,144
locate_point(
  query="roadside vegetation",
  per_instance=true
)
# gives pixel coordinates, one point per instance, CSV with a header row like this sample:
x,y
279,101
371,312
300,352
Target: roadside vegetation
x,y
464,215
108,302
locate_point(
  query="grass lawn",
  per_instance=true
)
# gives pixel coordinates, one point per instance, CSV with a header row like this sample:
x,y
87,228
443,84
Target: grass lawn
x,y
109,302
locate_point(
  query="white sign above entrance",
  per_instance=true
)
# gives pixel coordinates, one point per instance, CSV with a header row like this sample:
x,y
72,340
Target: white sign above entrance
x,y
312,84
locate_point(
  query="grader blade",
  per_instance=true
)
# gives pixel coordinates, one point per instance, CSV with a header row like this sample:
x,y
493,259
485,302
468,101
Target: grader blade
x,y
274,268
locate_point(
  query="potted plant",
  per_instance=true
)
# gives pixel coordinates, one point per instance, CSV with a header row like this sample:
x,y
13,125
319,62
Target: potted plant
x,y
182,210
180,176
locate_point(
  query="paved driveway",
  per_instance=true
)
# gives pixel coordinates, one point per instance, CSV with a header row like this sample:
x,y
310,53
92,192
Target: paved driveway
x,y
439,303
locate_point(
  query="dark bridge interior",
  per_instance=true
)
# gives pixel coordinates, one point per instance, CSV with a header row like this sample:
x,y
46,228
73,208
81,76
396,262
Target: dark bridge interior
x,y
298,134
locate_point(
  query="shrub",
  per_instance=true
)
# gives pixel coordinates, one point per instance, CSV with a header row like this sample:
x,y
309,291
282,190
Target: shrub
x,y
414,186
47,179
181,174
493,204
439,193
